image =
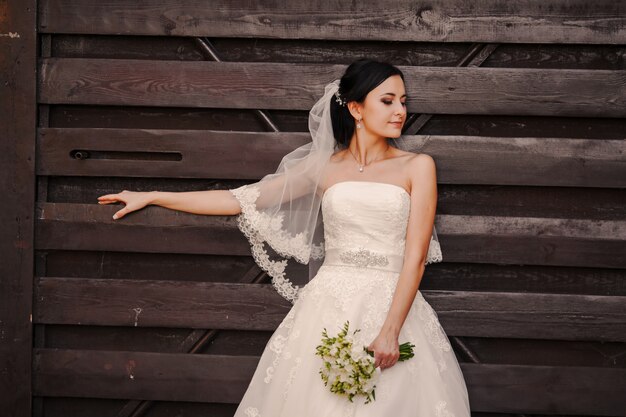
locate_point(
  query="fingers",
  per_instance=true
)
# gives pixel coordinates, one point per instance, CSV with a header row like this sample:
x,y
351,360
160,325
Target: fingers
x,y
113,198
388,363
385,360
109,198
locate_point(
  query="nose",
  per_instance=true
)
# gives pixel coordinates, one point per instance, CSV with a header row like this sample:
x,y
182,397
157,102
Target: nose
x,y
400,109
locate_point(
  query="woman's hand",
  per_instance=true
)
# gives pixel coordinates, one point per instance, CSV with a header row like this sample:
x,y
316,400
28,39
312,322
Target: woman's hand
x,y
134,200
386,350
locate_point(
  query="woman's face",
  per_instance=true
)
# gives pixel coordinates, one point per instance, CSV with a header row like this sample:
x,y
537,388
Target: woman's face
x,y
384,108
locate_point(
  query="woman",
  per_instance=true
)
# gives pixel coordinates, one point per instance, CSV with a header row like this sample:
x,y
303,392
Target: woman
x,y
374,238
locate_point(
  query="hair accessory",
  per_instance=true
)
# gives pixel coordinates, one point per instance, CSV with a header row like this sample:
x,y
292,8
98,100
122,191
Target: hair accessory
x,y
338,99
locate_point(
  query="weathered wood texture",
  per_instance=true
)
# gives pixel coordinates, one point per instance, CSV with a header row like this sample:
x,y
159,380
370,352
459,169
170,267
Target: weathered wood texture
x,y
563,92
107,302
543,55
458,199
574,21
525,240
180,377
17,186
452,276
249,155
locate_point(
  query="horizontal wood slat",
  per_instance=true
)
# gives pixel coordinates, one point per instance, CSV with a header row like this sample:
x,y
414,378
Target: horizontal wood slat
x,y
251,155
154,303
224,379
572,390
186,304
204,154
141,375
574,21
481,239
433,90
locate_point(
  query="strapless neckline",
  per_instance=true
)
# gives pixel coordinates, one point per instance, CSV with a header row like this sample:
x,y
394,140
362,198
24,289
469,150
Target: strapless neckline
x,y
405,192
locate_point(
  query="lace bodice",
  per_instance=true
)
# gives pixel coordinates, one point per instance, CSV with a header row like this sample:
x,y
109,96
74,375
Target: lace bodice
x,y
365,224
366,215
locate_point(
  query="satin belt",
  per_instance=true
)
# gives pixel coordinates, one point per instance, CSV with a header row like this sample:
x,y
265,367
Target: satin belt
x,y
364,258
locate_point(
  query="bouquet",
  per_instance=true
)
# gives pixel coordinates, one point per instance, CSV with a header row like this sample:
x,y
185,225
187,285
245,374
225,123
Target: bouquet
x,y
348,368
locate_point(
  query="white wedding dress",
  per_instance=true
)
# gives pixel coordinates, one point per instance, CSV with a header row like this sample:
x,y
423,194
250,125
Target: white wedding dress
x,y
364,229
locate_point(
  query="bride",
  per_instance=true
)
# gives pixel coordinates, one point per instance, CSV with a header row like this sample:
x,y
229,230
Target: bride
x,y
360,212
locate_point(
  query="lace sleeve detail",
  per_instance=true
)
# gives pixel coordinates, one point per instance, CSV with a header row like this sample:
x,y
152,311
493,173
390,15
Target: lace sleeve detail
x,y
258,227
434,252
269,230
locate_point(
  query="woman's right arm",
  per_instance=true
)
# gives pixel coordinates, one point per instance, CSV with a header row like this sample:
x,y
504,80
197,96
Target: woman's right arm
x,y
211,202
216,202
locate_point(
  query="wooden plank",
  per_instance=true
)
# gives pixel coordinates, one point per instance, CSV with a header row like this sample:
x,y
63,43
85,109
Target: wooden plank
x,y
171,118
219,378
466,199
157,303
203,154
148,266
442,276
481,239
170,340
574,21
532,241
141,375
251,155
568,390
89,227
505,278
538,352
67,406
510,351
114,302
441,54
432,90
18,121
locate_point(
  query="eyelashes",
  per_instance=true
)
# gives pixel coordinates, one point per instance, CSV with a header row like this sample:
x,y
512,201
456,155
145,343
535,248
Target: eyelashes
x,y
387,102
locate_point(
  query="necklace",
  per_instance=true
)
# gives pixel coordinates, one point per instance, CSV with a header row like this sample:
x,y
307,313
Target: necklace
x,y
361,166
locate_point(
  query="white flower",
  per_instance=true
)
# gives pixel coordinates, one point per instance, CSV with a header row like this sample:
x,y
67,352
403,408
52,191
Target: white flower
x,y
358,353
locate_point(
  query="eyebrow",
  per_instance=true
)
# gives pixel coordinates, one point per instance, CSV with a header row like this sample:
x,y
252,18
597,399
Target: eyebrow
x,y
392,94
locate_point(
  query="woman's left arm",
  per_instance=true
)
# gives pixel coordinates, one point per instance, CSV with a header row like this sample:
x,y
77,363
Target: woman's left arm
x,y
419,231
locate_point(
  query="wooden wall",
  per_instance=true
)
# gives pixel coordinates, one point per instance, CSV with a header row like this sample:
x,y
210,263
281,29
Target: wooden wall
x,y
522,105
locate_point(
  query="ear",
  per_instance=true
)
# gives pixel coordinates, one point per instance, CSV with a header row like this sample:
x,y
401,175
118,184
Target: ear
x,y
355,109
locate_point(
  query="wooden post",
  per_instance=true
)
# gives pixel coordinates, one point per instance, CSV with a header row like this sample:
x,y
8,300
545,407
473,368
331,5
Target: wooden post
x,y
18,43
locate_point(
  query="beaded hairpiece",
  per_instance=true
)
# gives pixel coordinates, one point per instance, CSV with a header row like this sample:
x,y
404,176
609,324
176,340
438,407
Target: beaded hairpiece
x,y
338,99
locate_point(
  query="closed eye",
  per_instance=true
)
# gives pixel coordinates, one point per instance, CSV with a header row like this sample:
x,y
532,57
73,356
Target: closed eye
x,y
387,102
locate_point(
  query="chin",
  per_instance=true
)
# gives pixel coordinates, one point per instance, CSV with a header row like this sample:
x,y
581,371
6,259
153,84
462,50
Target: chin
x,y
394,133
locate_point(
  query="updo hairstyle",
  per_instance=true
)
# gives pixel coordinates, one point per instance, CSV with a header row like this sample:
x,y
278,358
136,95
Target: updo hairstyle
x,y
361,77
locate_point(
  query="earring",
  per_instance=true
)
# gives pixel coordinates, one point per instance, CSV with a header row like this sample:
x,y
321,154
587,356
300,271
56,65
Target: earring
x,y
358,124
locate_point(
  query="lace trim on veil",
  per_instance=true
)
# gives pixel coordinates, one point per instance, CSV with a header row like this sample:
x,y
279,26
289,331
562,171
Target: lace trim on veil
x,y
258,227
434,252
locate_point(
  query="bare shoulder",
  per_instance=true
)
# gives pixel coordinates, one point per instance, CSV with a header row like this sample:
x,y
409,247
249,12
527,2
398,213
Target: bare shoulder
x,y
421,170
422,160
419,162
